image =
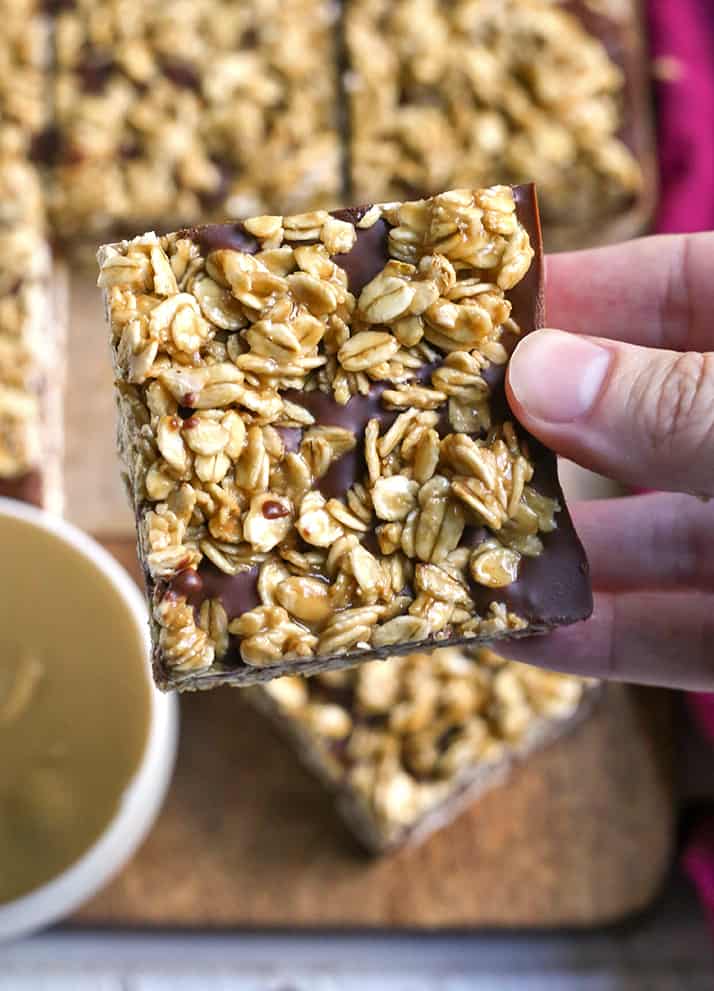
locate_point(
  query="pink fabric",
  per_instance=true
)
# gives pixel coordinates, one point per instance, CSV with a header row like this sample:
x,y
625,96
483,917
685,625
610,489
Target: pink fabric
x,y
684,31
702,708
698,858
698,862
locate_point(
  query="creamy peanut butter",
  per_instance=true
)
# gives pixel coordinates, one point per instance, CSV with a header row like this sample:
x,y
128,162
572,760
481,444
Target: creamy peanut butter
x,y
74,705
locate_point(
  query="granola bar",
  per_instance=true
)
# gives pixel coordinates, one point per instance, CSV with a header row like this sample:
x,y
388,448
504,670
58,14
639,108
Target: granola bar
x,y
31,325
455,92
316,438
165,113
406,746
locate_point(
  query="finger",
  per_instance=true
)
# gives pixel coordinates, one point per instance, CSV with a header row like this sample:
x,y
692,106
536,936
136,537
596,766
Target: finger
x,y
658,291
648,542
642,416
650,638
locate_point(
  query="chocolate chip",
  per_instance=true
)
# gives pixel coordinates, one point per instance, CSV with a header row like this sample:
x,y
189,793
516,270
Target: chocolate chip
x,y
95,70
273,510
212,198
45,146
187,583
180,72
129,150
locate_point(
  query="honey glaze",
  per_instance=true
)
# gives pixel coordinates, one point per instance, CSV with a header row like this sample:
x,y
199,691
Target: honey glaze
x,y
74,705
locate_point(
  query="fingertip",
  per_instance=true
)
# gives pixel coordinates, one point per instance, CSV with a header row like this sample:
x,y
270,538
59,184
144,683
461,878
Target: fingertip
x,y
578,649
555,377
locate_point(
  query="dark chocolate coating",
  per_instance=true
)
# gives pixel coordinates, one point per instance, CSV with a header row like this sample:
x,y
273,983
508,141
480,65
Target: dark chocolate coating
x,y
353,416
554,587
370,253
214,237
238,593
291,437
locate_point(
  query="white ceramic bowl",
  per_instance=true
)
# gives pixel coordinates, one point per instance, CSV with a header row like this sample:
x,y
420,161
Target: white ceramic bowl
x,y
145,793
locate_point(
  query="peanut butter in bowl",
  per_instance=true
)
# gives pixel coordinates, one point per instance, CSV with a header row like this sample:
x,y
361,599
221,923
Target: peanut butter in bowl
x,y
78,713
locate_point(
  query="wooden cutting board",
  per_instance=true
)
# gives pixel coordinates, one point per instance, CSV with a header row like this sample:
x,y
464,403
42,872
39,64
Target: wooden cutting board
x,y
580,835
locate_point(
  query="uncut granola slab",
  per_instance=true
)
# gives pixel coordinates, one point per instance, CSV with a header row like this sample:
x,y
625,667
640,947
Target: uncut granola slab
x,y
317,443
166,113
449,92
407,745
32,321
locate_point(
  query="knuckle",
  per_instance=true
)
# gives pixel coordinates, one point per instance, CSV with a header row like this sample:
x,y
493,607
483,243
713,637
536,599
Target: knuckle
x,y
682,415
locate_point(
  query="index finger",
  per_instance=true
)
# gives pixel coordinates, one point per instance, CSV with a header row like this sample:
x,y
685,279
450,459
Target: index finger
x,y
649,638
656,291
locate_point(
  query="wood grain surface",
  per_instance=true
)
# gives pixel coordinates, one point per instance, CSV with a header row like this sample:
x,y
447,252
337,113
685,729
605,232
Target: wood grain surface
x,y
580,835
94,497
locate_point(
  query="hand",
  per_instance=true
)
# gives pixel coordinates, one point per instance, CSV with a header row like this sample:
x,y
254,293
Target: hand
x,y
627,390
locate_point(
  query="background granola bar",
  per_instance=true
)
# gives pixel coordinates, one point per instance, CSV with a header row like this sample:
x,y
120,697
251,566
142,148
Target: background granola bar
x,y
455,92
31,337
406,745
150,115
167,113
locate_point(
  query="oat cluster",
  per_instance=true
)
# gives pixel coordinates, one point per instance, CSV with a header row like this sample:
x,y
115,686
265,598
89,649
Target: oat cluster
x,y
447,92
403,736
167,112
24,317
219,355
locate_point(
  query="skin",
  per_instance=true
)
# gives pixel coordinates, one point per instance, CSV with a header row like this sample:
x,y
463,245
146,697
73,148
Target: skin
x,y
626,388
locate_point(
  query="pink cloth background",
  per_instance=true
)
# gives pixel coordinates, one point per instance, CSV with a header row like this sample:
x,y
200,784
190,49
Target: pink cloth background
x,y
683,30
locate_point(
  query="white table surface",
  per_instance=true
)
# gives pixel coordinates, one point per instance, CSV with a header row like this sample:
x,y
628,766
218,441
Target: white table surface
x,y
668,949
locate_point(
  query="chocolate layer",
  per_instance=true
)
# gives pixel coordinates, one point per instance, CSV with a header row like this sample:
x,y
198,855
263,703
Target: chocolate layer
x,y
369,254
554,587
238,593
214,237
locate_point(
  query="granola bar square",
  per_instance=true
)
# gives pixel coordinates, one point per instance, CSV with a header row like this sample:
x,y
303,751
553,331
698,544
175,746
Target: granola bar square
x,y
453,92
318,447
165,113
407,745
